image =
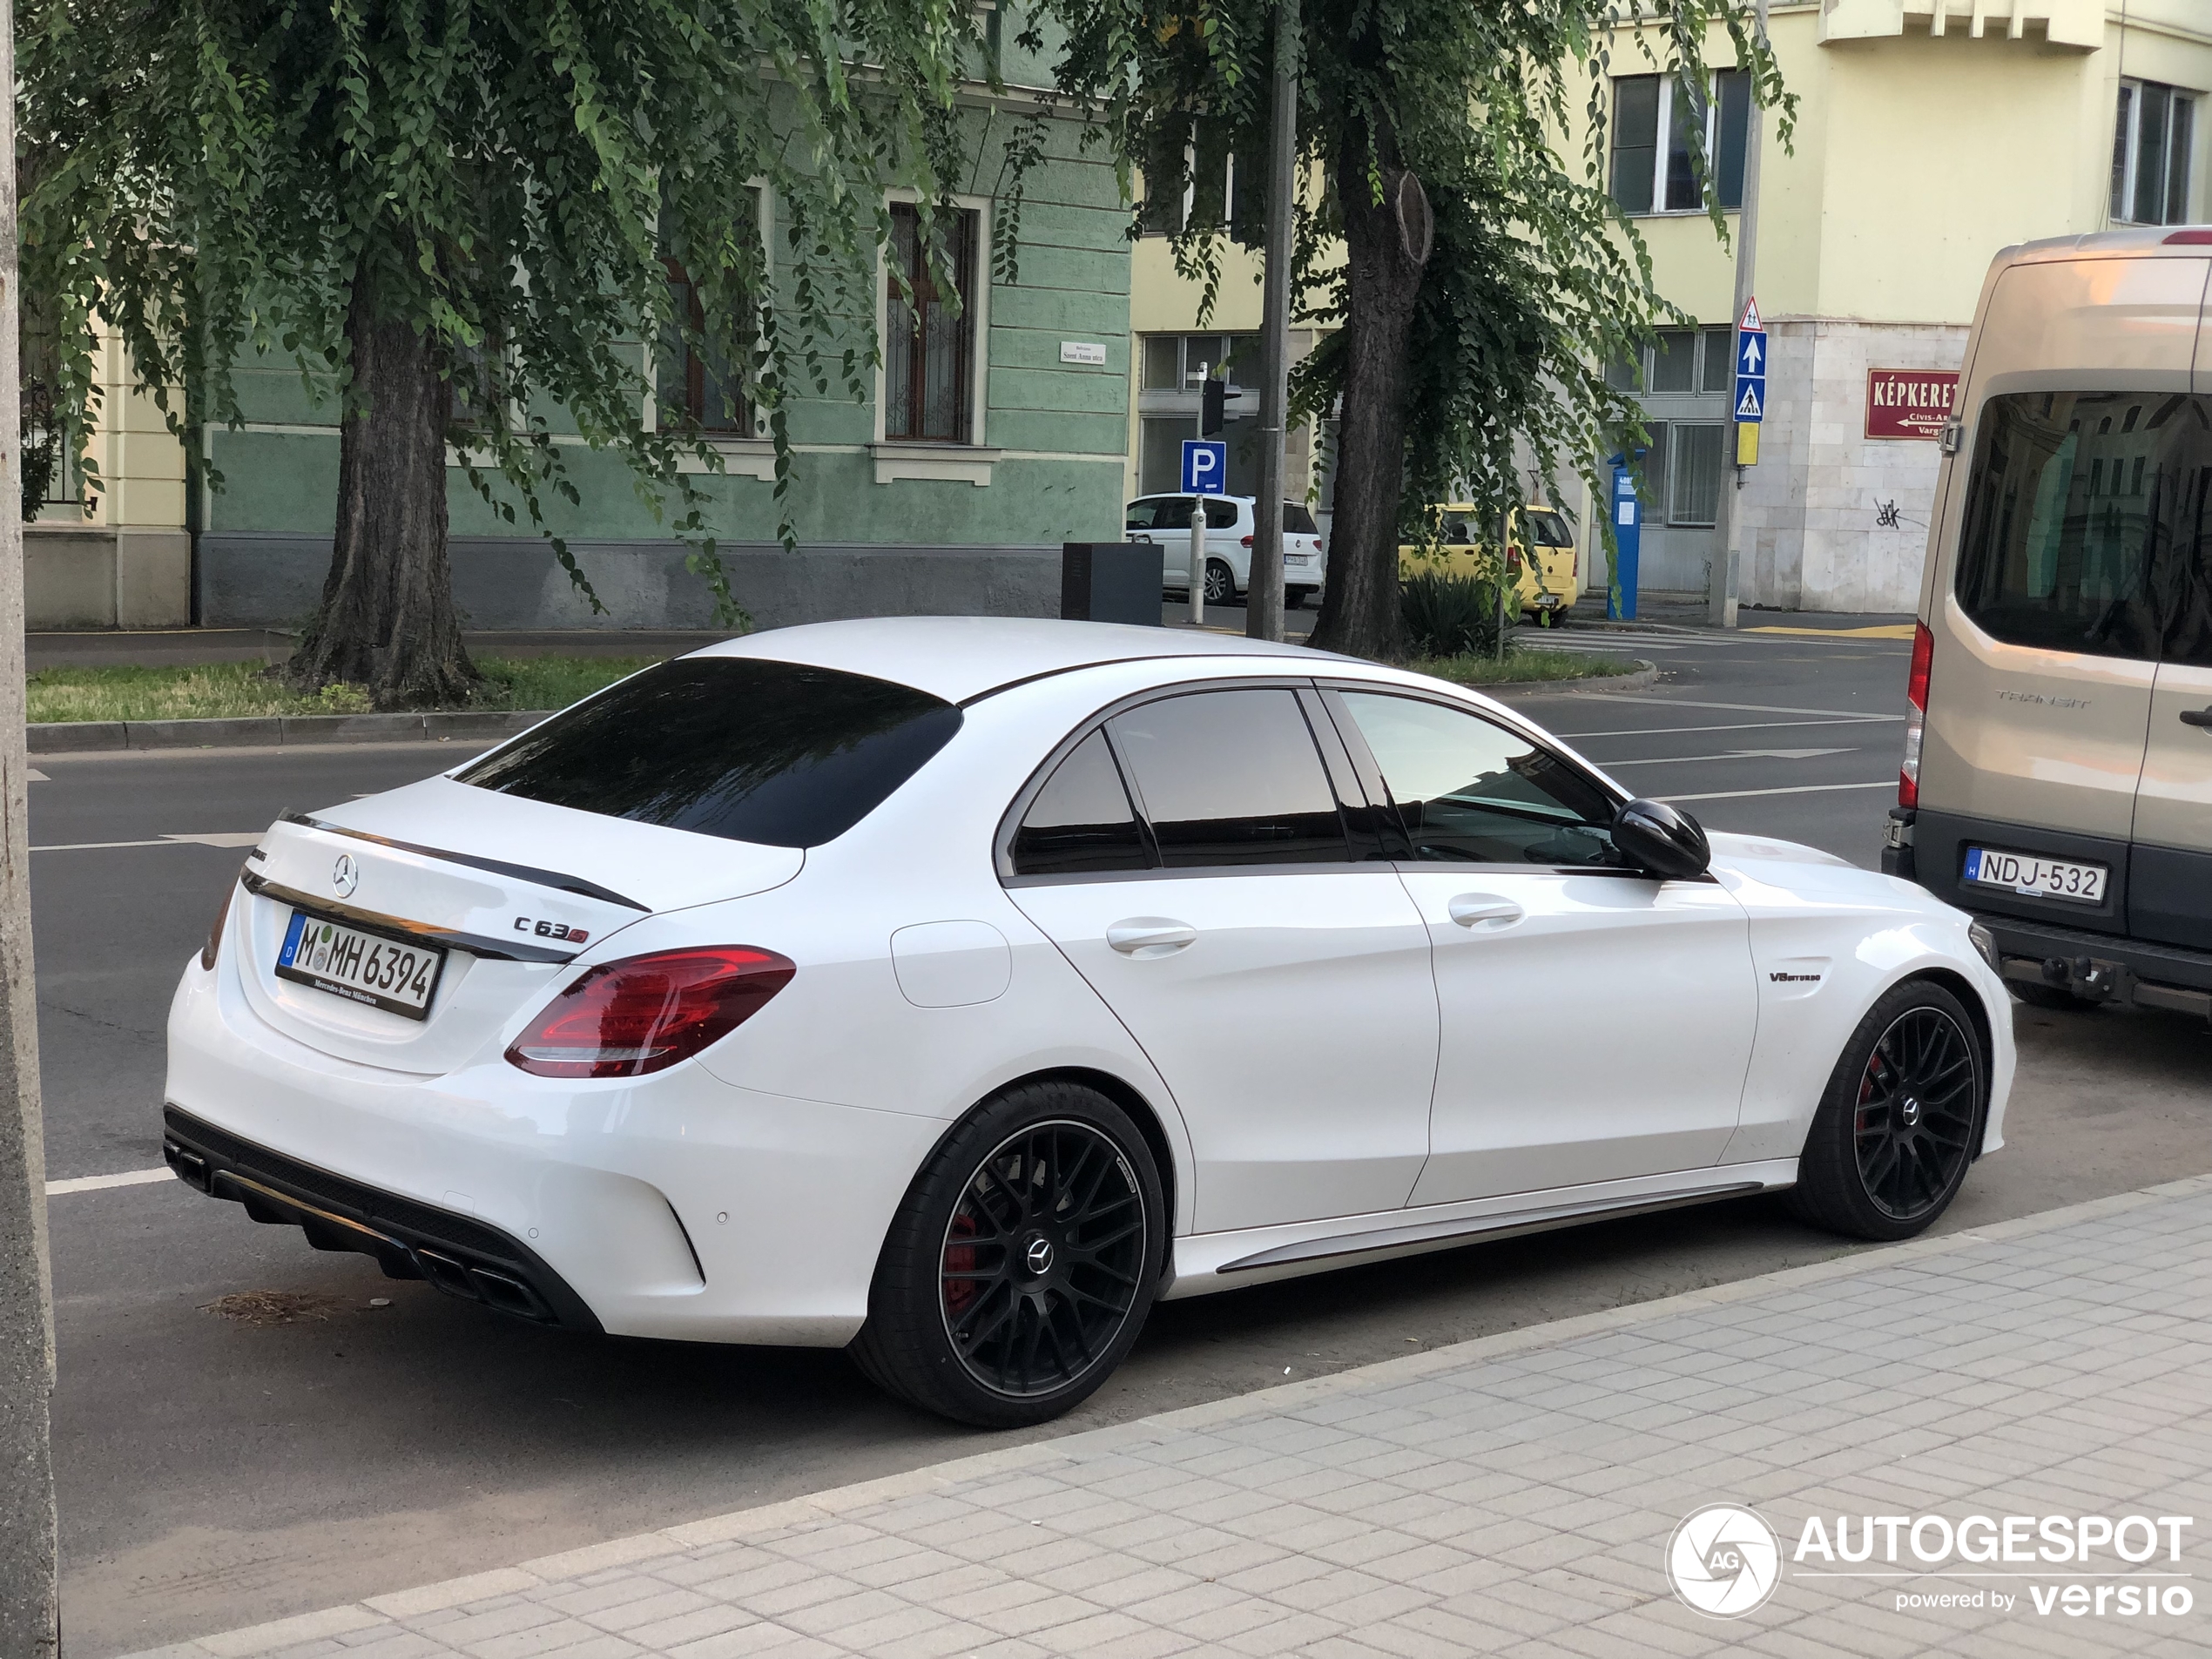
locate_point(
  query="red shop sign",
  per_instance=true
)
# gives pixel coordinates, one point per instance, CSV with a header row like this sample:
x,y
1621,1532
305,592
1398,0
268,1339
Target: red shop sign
x,y
1909,402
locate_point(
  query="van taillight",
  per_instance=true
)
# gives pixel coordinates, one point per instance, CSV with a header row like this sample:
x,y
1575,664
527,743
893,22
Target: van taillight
x,y
2189,239
645,1013
1247,542
1916,720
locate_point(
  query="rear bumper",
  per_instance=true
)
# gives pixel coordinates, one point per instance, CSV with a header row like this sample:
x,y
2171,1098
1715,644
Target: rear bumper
x,y
2100,961
409,1240
675,1205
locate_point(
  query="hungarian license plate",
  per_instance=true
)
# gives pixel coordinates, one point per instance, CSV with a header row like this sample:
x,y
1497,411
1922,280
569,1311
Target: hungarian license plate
x,y
359,967
2045,877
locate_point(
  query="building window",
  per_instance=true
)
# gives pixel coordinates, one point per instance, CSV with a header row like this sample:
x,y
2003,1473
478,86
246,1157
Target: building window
x,y
2151,153
1654,117
692,383
1193,182
1694,491
1171,369
929,341
1683,362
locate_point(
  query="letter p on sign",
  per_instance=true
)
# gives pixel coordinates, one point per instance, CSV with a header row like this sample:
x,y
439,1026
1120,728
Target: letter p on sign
x,y
1205,466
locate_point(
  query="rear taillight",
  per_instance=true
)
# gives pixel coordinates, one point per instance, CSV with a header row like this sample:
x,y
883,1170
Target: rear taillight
x,y
1247,542
1916,719
1513,561
644,1013
214,944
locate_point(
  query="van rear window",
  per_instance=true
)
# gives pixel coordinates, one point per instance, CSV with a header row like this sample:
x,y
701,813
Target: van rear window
x,y
777,753
2086,526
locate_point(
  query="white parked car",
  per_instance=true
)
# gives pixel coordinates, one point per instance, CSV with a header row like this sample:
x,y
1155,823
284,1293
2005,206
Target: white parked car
x,y
955,988
1166,520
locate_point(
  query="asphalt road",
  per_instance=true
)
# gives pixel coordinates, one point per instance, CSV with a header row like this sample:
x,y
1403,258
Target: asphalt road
x,y
216,1473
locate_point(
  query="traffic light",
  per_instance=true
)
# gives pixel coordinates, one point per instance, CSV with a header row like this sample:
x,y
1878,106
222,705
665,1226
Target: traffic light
x,y
1213,398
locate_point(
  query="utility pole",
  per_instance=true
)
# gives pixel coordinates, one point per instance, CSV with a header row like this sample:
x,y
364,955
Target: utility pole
x,y
29,1604
1720,579
1263,596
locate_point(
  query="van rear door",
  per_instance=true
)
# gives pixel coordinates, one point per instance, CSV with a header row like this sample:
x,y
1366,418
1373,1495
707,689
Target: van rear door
x,y
2047,621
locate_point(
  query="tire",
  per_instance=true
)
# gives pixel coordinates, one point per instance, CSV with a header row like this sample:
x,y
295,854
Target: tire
x,y
962,1328
1295,598
2049,996
1221,583
1899,1121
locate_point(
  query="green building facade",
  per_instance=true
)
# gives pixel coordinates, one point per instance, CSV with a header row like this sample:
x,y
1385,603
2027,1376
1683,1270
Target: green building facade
x,y
989,439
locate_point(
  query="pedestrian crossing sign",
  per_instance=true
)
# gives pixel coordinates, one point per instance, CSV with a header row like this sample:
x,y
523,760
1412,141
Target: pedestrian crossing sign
x,y
1749,406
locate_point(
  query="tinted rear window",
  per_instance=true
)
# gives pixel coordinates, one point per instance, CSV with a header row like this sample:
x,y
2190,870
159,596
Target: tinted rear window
x,y
776,754
2085,521
1549,529
1296,521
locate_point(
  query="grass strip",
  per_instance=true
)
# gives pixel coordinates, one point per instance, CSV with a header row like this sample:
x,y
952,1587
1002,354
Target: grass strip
x,y
241,691
1521,664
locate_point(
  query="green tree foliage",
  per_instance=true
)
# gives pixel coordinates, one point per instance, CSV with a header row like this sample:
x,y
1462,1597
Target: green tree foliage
x,y
1468,131
457,216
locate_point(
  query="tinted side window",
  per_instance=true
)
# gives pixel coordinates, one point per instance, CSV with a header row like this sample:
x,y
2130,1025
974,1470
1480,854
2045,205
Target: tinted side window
x,y
1081,819
777,753
1231,778
1474,793
1139,514
2080,507
1173,513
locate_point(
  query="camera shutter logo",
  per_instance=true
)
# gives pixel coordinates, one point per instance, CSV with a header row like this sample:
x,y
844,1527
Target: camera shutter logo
x,y
1724,1561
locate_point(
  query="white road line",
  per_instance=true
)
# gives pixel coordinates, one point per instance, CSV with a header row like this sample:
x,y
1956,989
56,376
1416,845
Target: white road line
x,y
100,1182
1686,731
1794,789
34,776
1743,708
212,838
1737,754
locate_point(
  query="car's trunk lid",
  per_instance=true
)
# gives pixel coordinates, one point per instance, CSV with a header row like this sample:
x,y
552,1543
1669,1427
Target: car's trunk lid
x,y
507,890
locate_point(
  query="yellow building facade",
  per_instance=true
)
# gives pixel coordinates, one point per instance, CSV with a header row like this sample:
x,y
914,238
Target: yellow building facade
x,y
1931,134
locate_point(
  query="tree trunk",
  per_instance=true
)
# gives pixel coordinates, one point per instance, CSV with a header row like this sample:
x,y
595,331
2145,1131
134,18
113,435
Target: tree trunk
x,y
387,620
29,1604
1359,616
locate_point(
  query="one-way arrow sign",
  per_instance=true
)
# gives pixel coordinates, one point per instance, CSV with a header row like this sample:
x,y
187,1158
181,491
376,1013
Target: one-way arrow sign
x,y
1751,354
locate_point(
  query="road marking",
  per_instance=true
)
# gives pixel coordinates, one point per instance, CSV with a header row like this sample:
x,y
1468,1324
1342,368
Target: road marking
x,y
34,776
1794,789
100,1182
1679,731
212,838
1880,630
1734,754
1740,708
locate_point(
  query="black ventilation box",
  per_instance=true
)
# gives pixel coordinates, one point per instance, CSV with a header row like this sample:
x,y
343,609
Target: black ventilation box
x,y
1111,581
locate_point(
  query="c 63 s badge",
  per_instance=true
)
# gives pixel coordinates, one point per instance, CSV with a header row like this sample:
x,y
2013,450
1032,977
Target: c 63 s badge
x,y
552,930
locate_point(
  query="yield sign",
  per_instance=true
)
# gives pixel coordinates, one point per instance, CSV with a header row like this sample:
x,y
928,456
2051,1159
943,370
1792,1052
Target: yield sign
x,y
1749,321
1749,405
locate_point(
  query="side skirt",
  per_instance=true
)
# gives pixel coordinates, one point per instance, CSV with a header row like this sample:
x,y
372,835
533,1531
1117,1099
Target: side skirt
x,y
1206,1262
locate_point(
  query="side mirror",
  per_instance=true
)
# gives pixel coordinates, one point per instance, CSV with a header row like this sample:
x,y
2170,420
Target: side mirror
x,y
1653,836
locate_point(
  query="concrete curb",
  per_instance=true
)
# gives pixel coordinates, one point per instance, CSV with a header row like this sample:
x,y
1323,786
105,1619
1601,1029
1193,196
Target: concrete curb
x,y
375,1611
93,736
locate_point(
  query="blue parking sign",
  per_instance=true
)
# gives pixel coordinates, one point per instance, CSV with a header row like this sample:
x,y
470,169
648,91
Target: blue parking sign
x,y
1205,466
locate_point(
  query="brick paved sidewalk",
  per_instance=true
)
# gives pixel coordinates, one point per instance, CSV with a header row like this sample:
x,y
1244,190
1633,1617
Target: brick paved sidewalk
x,y
1514,1495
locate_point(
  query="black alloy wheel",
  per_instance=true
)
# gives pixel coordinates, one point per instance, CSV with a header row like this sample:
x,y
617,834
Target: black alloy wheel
x,y
1897,1125
1044,1258
1221,583
1021,1263
1915,1120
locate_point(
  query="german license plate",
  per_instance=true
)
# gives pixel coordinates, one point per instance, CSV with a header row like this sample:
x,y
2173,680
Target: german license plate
x,y
360,966
2045,877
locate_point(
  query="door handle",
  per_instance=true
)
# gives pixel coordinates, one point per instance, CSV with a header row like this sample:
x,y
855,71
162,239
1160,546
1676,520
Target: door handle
x,y
1468,908
1144,937
2201,718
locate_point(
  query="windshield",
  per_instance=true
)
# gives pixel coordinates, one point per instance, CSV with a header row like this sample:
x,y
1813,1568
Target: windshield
x,y
775,754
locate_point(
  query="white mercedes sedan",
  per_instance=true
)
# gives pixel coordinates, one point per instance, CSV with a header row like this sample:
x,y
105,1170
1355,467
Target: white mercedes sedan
x,y
953,988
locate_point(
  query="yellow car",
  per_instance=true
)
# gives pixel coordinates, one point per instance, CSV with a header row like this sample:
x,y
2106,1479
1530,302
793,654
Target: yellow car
x,y
1539,557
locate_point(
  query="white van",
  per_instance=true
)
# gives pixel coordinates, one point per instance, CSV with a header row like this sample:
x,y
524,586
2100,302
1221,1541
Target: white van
x,y
2057,779
1166,519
